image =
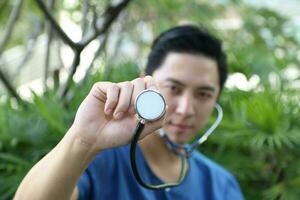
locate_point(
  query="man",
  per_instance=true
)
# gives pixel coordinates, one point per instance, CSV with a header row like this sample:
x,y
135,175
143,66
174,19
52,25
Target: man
x,y
188,67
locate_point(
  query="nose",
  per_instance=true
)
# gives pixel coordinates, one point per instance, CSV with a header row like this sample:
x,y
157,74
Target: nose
x,y
185,105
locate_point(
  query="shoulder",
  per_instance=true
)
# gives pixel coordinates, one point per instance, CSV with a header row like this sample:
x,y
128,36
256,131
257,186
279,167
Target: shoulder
x,y
205,163
221,178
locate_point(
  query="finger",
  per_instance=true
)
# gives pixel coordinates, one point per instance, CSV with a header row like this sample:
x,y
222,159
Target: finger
x,y
124,99
138,86
98,91
112,95
150,83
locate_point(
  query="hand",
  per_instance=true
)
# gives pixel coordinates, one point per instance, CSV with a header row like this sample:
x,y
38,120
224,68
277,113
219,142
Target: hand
x,y
106,118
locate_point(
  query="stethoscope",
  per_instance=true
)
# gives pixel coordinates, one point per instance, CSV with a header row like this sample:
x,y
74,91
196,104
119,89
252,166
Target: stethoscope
x,y
150,106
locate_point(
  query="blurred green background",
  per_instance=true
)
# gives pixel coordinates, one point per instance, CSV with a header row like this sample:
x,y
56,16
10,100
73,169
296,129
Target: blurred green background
x,y
48,66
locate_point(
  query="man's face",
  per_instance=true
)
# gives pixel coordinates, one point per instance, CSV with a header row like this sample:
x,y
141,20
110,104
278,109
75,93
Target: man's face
x,y
190,85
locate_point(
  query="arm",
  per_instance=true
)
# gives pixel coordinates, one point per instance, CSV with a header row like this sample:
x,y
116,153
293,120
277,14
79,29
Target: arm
x,y
97,126
55,176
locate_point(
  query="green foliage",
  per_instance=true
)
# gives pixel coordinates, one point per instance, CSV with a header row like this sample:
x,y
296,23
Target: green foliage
x,y
27,134
3,10
125,71
259,142
258,139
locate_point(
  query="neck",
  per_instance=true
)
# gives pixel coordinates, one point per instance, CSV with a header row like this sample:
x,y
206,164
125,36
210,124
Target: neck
x,y
155,147
162,161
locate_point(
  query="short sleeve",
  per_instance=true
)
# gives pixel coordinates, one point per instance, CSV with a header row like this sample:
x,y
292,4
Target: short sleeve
x,y
84,186
92,184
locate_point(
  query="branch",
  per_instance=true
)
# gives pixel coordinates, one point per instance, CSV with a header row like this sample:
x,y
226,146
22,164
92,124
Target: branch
x,y
95,17
55,79
84,21
11,90
56,26
96,55
10,24
58,53
29,47
49,30
110,14
74,66
83,81
120,29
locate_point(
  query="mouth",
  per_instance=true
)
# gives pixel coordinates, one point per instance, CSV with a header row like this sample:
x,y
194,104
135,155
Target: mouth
x,y
181,126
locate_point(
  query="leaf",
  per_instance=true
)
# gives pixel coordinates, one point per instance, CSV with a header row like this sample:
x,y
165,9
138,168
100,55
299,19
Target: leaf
x,y
14,159
52,112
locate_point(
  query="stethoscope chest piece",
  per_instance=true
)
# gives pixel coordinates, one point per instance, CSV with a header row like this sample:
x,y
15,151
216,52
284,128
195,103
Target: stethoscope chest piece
x,y
150,105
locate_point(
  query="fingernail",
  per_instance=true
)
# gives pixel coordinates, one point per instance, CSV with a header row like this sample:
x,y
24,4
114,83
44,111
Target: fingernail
x,y
119,115
152,87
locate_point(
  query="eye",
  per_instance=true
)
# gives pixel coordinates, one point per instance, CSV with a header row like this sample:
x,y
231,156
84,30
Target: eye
x,y
204,95
174,89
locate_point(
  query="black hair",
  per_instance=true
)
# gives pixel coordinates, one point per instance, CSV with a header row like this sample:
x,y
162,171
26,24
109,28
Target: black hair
x,y
187,39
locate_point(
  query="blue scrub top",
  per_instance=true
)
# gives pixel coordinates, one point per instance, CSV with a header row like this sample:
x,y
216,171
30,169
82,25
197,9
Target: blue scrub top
x,y
109,176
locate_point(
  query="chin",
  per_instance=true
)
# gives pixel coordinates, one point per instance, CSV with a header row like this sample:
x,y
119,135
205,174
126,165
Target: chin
x,y
178,136
179,139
